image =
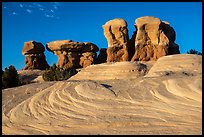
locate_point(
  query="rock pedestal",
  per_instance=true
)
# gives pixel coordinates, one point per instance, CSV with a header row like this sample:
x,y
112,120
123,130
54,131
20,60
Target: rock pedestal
x,y
73,54
116,33
34,56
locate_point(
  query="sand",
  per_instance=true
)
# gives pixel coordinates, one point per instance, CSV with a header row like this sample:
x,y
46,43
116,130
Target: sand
x,y
165,103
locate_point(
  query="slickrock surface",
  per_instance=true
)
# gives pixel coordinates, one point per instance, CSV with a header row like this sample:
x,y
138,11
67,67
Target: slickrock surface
x,y
166,104
186,64
31,76
108,71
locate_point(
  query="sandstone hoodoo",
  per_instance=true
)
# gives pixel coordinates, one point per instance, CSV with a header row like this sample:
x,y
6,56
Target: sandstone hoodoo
x,y
152,39
116,33
73,54
34,56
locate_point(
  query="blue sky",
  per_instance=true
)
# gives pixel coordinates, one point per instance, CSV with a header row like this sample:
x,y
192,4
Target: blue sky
x,y
82,21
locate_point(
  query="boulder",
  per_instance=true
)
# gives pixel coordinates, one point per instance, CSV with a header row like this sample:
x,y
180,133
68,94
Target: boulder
x,y
34,56
116,33
152,39
72,54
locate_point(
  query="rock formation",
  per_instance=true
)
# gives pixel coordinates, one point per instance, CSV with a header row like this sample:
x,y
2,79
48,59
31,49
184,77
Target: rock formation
x,y
116,33
111,71
185,64
111,98
70,53
87,59
152,39
34,56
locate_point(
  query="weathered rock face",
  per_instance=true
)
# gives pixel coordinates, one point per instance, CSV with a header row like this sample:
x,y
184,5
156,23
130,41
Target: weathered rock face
x,y
70,53
87,59
116,33
152,40
34,56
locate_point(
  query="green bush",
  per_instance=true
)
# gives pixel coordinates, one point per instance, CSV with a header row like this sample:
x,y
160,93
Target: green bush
x,y
57,74
193,51
10,77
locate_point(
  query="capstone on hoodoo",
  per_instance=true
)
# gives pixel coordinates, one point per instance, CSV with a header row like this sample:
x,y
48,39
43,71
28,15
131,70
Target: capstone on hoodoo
x,y
73,54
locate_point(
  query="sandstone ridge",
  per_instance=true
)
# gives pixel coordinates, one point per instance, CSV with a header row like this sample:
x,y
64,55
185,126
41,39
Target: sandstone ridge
x,y
108,71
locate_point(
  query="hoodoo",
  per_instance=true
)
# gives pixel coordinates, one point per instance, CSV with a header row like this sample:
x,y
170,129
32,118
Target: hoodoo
x,y
70,53
34,56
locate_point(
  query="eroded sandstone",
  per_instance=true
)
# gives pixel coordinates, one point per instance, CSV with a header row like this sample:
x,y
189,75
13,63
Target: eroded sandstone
x,y
116,33
34,56
73,54
152,39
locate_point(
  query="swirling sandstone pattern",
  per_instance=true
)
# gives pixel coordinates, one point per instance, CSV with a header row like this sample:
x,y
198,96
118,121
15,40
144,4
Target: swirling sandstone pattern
x,y
170,104
163,106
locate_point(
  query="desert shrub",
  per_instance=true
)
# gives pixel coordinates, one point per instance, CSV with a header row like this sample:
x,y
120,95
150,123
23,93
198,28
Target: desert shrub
x,y
56,73
10,77
193,51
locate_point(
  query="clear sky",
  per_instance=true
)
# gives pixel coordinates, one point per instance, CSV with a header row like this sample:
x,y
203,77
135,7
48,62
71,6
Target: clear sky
x,y
82,21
